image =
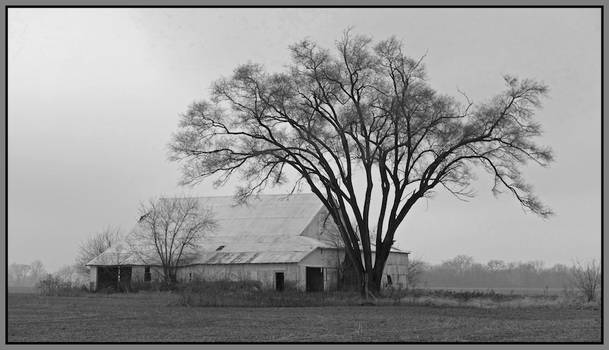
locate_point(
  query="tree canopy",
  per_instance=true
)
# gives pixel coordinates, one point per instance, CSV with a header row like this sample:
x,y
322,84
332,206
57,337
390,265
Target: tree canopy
x,y
95,245
366,108
169,230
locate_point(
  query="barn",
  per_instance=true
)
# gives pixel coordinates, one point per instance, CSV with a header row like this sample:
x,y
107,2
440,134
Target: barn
x,y
275,239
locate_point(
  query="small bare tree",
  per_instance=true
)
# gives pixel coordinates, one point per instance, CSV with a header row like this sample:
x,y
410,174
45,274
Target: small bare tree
x,y
414,271
37,272
94,246
17,274
68,273
586,278
496,265
170,229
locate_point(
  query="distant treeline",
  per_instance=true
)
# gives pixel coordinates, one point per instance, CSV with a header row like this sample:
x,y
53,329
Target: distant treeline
x,y
28,275
25,275
463,272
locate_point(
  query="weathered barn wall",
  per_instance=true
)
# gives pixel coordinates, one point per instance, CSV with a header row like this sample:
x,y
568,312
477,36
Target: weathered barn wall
x,y
397,267
324,258
322,227
137,273
327,259
264,273
93,278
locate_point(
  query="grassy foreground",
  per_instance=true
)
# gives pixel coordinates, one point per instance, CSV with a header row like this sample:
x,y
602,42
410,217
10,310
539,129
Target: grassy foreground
x,y
149,317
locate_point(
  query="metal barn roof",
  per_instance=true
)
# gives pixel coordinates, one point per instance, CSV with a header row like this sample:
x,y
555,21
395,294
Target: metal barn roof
x,y
263,215
120,254
264,230
221,258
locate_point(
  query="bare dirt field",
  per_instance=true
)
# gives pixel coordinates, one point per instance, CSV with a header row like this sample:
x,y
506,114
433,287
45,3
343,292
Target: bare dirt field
x,y
147,317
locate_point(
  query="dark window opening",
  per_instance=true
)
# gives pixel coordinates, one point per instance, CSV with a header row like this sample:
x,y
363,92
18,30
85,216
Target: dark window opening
x,y
279,281
147,276
220,247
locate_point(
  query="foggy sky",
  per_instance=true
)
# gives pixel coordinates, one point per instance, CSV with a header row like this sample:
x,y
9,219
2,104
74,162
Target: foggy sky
x,y
95,95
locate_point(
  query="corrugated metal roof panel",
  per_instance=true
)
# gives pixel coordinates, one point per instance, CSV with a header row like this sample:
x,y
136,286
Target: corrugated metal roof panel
x,y
261,243
225,258
111,258
122,254
263,215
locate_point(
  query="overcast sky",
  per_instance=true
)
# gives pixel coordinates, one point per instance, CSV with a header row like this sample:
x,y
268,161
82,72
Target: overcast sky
x,y
95,95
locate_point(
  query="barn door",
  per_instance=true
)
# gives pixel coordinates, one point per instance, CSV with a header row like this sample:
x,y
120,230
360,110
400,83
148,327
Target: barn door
x,y
315,279
279,278
125,278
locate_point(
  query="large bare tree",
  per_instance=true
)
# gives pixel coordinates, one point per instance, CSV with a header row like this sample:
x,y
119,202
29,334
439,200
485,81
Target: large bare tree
x,y
170,230
366,110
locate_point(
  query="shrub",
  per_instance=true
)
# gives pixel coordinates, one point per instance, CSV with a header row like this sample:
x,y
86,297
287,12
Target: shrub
x,y
587,279
220,286
151,286
56,286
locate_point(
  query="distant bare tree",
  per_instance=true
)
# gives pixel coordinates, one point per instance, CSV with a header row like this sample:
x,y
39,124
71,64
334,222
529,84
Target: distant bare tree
x,y
414,272
71,274
366,110
17,274
459,263
170,229
37,271
496,265
587,278
94,246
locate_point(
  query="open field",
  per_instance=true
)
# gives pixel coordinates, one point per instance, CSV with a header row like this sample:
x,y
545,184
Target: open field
x,y
21,290
146,317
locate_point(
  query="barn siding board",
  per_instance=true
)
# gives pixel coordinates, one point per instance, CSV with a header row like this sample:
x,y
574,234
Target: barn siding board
x,y
265,273
137,273
327,260
93,278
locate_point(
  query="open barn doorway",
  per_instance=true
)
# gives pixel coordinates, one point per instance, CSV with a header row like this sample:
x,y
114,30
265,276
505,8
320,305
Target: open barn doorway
x,y
279,281
114,277
315,279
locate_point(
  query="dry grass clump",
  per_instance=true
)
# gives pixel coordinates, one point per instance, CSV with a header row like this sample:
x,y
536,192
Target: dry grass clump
x,y
225,293
490,299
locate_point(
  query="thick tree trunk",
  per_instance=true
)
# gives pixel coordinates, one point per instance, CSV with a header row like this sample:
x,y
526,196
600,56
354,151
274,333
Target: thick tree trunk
x,y
376,275
350,279
375,282
173,278
168,276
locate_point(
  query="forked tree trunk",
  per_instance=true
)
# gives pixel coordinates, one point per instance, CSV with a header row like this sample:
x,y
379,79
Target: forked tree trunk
x,y
375,282
352,276
375,277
